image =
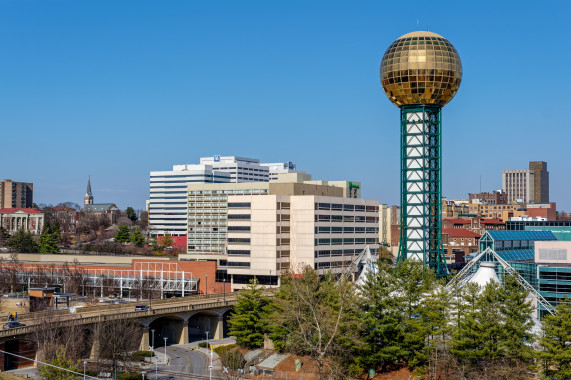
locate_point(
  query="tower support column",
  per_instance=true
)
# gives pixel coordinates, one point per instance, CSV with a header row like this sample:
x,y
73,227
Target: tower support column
x,y
421,183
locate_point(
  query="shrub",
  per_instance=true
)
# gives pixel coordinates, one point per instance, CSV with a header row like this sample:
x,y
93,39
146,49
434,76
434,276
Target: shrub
x,y
202,345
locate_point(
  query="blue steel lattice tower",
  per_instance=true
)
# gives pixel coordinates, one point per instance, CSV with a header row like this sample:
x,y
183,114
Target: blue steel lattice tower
x,y
420,73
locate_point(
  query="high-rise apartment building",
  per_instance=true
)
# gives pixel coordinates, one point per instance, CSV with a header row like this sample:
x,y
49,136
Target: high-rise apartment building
x,y
167,204
260,229
16,194
527,185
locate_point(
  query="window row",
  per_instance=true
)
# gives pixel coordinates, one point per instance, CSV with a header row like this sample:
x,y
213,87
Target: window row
x,y
345,207
327,229
339,241
346,218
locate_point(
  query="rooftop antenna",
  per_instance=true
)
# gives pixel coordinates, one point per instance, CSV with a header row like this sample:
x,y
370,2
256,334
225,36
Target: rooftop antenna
x,y
480,183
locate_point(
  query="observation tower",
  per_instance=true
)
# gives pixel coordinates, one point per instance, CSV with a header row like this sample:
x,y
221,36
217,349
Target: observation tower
x,y
420,73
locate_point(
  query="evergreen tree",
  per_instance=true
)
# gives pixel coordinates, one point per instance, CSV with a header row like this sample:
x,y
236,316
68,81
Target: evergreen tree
x,y
131,214
466,334
517,313
22,242
49,239
123,235
382,332
60,361
167,240
555,342
414,281
137,238
248,322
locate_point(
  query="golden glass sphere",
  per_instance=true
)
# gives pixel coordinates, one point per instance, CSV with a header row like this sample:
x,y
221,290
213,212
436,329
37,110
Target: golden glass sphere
x,y
421,68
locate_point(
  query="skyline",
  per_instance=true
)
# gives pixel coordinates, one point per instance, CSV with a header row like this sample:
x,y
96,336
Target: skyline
x,y
115,91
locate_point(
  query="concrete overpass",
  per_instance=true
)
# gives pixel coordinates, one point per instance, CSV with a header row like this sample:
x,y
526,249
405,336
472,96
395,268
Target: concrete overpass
x,y
180,320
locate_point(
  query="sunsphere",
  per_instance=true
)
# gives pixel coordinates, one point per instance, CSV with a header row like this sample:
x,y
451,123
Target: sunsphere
x,y
421,68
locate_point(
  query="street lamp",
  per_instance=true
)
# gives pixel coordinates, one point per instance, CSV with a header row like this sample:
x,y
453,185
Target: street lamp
x,y
143,373
84,363
153,340
206,288
224,289
165,338
207,338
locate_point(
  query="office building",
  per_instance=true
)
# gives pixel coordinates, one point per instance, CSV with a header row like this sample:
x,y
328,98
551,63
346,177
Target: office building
x,y
167,204
281,168
261,229
240,169
168,190
16,194
527,185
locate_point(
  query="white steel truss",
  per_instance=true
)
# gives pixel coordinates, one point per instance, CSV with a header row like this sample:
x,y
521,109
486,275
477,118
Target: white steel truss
x,y
470,269
163,277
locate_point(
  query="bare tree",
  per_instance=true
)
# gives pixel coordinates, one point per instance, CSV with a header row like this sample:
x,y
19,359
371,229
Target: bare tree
x,y
52,334
116,340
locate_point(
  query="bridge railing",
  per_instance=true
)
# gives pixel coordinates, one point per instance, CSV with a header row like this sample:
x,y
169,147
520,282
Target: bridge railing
x,y
120,306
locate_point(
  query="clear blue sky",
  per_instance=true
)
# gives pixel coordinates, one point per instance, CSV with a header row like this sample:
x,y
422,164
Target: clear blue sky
x,y
115,89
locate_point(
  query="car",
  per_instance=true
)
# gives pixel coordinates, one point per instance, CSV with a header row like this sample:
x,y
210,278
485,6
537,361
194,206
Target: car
x,y
142,307
11,325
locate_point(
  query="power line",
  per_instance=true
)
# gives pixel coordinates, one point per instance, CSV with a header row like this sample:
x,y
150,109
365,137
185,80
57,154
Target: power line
x,y
50,365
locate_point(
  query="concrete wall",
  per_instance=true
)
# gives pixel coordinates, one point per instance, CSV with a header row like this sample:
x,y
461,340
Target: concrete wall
x,y
556,252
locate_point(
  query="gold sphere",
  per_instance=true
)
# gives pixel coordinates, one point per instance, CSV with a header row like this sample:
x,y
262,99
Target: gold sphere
x,y
421,68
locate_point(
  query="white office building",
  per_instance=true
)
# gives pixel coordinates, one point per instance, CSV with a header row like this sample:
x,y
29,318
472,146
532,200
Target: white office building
x,y
240,169
167,204
277,168
168,195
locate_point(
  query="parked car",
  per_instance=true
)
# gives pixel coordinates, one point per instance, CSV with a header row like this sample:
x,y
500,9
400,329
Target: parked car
x,y
142,307
11,325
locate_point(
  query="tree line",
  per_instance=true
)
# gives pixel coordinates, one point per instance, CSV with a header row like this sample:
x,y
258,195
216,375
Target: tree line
x,y
403,316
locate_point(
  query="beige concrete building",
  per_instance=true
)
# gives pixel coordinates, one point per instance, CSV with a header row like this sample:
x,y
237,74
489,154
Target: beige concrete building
x,y
527,185
16,194
259,229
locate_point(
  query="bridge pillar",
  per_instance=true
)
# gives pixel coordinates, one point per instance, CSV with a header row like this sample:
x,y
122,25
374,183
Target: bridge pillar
x,y
95,350
184,333
218,328
145,341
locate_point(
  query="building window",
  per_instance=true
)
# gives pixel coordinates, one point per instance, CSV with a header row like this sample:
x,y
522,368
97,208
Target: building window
x,y
239,216
243,252
239,205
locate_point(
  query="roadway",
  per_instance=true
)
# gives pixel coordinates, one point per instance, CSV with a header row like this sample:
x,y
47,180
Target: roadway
x,y
184,361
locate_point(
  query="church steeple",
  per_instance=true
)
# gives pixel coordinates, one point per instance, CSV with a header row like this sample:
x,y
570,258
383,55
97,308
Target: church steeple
x,y
88,199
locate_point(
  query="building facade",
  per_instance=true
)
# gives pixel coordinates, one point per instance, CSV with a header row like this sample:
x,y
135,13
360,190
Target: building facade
x,y
16,194
110,211
527,185
27,219
168,195
541,181
262,229
493,198
167,204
